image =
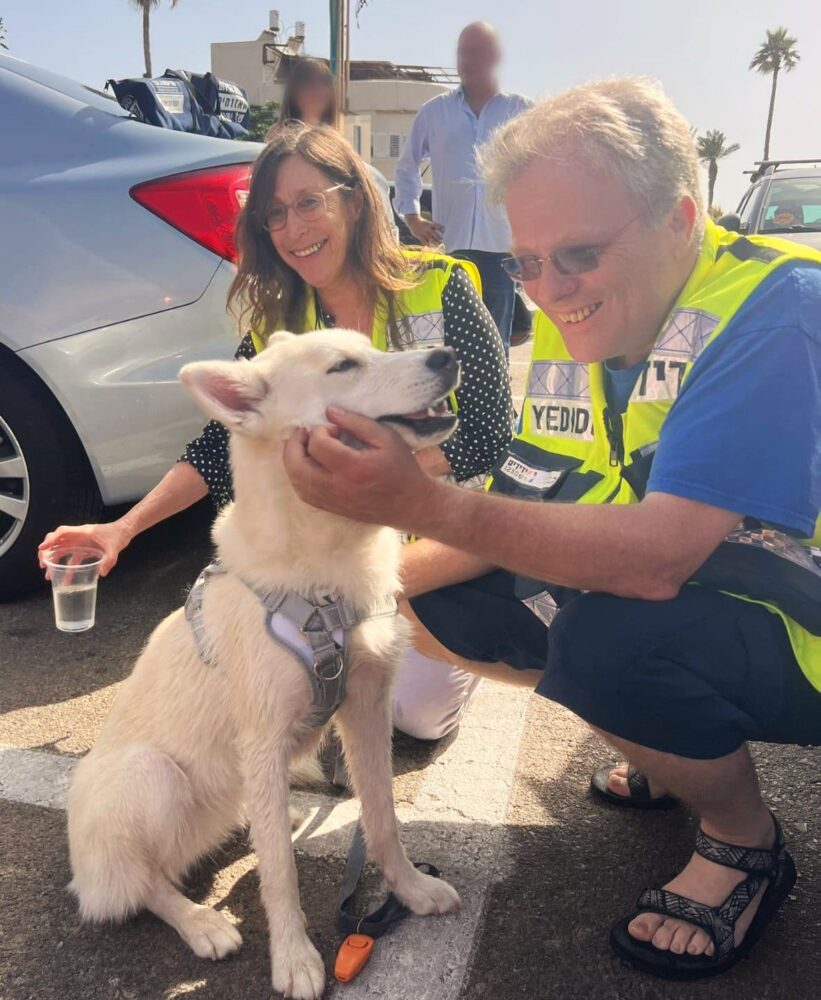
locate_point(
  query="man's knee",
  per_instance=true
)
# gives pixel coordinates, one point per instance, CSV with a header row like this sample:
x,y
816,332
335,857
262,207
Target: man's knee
x,y
585,650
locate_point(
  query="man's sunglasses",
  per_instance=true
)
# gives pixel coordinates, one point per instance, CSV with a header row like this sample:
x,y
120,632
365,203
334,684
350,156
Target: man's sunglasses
x,y
565,260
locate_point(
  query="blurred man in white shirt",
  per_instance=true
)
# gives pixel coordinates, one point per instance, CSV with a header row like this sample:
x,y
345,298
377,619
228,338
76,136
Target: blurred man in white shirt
x,y
447,132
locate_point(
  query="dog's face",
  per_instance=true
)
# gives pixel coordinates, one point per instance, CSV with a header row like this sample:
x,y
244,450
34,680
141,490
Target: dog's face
x,y
296,378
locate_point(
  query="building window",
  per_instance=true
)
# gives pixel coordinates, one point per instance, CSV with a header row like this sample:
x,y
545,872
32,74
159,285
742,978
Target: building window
x,y
357,138
379,146
395,145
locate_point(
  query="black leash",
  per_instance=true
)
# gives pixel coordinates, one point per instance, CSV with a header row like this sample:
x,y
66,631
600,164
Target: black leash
x,y
380,920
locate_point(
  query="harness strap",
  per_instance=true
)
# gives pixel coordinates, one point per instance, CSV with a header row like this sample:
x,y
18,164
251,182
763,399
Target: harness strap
x,y
194,615
325,659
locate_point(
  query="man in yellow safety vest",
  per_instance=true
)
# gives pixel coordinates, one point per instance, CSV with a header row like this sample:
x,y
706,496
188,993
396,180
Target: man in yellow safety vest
x,y
648,552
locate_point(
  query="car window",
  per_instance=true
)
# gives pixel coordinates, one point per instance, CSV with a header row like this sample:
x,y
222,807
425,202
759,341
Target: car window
x,y
748,203
793,203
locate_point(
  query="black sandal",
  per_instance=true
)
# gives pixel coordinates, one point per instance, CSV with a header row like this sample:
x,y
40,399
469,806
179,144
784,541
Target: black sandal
x,y
639,786
718,921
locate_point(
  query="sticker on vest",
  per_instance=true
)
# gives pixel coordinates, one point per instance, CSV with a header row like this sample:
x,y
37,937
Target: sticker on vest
x,y
679,344
561,419
558,400
526,475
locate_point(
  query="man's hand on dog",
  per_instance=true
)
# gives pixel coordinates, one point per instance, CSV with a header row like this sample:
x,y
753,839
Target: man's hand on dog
x,y
380,483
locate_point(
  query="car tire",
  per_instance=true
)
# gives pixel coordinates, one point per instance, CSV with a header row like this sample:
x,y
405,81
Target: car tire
x,y
45,477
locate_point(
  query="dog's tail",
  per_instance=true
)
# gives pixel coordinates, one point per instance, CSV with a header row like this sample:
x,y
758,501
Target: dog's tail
x,y
306,772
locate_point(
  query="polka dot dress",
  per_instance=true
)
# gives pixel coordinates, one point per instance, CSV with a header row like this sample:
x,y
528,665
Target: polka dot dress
x,y
485,404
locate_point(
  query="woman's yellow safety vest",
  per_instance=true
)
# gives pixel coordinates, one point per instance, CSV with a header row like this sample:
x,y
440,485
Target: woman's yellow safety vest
x,y
419,319
573,448
418,310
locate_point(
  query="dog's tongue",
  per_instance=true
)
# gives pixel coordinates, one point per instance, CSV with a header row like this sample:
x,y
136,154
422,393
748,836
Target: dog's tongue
x,y
417,415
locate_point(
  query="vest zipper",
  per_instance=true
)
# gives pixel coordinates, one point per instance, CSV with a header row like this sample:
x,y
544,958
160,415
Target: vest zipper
x,y
615,436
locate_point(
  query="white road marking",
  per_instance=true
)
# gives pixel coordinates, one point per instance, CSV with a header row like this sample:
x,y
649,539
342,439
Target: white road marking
x,y
456,821
35,777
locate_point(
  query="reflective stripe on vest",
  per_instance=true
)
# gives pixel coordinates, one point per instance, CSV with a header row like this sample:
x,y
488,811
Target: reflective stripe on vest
x,y
571,448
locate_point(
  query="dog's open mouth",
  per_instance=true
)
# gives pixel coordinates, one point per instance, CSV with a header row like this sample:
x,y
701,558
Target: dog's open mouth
x,y
425,423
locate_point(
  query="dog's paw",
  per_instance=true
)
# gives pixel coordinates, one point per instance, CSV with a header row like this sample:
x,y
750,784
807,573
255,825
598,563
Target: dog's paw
x,y
424,894
210,935
297,970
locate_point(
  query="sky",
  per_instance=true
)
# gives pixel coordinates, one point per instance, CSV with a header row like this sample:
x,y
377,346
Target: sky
x,y
699,50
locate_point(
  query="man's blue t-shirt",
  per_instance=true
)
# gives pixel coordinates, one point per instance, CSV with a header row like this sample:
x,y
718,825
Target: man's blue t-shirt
x,y
745,431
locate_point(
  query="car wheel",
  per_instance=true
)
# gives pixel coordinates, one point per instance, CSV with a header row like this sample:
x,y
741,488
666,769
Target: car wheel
x,y
45,479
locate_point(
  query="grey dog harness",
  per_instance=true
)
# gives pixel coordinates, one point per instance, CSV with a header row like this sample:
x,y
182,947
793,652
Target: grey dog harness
x,y
315,631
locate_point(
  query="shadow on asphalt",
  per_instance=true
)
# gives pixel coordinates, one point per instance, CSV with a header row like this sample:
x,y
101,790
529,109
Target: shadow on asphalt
x,y
545,934
41,666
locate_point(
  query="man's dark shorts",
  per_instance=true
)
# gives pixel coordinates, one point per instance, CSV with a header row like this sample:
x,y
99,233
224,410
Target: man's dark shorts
x,y
696,676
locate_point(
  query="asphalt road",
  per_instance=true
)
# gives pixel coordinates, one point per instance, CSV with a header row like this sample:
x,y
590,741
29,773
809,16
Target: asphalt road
x,y
502,807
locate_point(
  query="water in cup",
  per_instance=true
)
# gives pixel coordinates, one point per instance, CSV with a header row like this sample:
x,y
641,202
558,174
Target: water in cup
x,y
74,606
74,573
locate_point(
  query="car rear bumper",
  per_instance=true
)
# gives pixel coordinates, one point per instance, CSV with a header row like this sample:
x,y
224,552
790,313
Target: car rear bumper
x,y
119,387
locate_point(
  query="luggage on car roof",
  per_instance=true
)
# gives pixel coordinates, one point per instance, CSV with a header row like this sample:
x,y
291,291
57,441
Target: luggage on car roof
x,y
187,102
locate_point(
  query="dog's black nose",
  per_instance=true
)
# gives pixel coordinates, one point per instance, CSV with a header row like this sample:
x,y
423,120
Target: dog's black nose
x,y
439,358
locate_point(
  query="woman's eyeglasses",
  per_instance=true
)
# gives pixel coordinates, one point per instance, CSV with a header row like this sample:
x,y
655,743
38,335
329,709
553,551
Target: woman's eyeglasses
x,y
310,206
565,260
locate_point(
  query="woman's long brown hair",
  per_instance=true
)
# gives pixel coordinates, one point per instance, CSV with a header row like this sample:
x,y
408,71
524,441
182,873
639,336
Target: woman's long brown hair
x,y
305,71
267,293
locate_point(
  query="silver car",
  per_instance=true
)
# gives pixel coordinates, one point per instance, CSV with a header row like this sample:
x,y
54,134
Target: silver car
x,y
783,199
116,249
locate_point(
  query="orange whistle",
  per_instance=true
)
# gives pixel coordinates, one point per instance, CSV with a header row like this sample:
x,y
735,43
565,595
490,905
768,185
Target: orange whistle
x,y
352,956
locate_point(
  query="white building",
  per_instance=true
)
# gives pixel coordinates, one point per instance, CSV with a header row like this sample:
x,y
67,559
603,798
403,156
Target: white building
x,y
383,98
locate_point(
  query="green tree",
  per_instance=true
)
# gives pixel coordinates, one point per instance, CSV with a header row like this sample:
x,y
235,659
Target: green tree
x,y
712,147
146,6
3,36
263,116
777,53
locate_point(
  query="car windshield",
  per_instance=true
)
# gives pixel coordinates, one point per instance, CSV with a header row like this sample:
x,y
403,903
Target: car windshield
x,y
793,205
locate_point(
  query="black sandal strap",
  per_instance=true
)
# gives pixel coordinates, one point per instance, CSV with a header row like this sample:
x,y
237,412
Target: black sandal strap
x,y
752,860
638,784
671,904
739,899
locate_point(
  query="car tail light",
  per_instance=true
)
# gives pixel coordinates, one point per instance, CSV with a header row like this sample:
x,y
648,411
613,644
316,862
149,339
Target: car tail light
x,y
202,204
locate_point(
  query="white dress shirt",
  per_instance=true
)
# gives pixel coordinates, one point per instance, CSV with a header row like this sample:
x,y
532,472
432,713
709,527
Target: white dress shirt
x,y
447,132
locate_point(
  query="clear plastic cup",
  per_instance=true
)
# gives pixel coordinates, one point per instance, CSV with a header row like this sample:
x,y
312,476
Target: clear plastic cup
x,y
74,573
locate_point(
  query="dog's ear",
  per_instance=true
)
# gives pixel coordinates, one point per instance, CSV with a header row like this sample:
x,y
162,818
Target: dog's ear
x,y
229,391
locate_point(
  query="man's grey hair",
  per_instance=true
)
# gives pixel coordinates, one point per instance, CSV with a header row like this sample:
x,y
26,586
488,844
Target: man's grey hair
x,y
627,126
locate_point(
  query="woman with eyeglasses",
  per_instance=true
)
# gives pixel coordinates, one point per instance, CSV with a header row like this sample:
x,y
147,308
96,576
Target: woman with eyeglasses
x,y
316,252
310,97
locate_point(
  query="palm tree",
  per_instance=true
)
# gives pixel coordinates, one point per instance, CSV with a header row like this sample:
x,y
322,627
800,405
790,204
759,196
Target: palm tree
x,y
777,53
146,6
711,149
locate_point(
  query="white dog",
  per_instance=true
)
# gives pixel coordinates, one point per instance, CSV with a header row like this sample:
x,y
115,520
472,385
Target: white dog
x,y
189,749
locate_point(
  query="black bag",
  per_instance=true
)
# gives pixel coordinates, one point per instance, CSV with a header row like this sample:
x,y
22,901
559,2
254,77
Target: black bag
x,y
186,102
219,98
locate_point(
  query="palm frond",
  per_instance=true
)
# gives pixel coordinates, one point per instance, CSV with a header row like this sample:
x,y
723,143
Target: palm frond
x,y
778,52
